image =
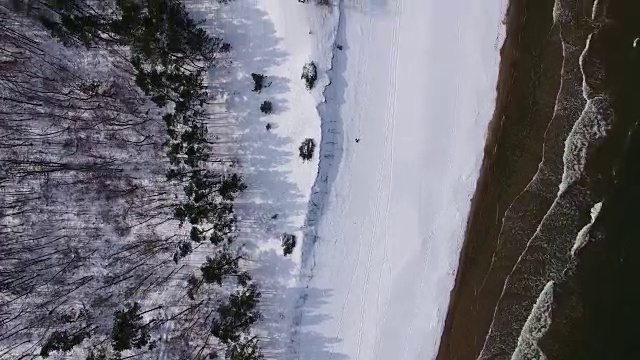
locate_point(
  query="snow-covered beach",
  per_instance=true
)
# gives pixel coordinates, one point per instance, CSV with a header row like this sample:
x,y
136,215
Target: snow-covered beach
x,y
401,132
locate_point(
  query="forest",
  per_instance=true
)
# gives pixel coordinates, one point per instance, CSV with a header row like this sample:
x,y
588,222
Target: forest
x,y
117,222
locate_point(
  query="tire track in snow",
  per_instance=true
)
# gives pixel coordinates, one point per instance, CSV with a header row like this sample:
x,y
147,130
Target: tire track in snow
x,y
391,125
361,70
385,170
440,214
375,222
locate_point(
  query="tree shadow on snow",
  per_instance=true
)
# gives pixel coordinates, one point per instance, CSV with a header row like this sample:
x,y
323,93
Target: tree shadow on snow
x,y
286,332
263,153
271,199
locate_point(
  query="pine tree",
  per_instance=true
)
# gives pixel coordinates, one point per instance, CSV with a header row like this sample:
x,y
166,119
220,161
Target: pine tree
x,y
230,186
237,315
220,266
129,331
258,81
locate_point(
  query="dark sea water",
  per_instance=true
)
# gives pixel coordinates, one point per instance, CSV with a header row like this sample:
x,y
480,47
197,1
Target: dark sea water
x,y
574,291
595,313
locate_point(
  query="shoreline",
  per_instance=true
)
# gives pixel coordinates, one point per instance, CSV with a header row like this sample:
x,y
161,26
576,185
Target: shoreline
x,y
526,89
522,231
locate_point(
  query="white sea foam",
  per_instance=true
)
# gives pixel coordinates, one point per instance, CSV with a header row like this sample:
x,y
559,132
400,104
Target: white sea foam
x,y
536,326
583,235
592,126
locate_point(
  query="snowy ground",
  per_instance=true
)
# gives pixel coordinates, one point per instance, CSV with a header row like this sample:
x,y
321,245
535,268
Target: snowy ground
x,y
415,83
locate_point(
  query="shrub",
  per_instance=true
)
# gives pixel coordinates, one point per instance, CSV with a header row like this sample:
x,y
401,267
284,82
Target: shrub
x,y
258,81
306,149
183,248
288,243
218,267
266,107
235,317
309,74
230,186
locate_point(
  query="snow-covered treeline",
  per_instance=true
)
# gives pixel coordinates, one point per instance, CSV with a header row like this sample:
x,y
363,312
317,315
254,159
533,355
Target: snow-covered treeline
x,y
116,214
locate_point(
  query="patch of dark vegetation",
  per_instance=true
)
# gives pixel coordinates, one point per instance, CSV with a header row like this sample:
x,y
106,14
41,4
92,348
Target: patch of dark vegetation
x,y
306,149
130,331
234,318
258,81
309,75
63,341
288,242
266,107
